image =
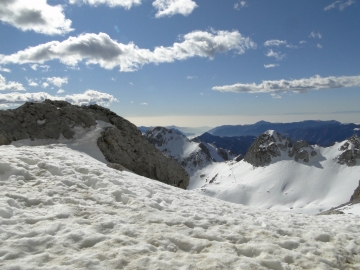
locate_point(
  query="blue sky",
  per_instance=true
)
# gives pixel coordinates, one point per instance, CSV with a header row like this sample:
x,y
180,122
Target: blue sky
x,y
186,62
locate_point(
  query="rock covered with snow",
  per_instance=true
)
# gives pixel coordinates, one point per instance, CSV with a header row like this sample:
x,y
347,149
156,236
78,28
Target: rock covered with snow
x,y
191,155
120,142
265,147
350,151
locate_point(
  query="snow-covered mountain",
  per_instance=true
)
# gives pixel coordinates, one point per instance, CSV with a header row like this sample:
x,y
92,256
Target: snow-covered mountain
x,y
279,174
192,156
62,209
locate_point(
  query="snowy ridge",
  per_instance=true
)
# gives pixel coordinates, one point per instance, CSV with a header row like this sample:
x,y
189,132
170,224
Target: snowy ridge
x,y
62,209
191,155
291,181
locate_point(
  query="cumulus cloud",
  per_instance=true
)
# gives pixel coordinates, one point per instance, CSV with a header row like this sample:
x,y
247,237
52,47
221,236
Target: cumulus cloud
x,y
57,81
275,42
240,5
86,98
172,7
60,91
277,55
2,69
32,82
341,5
36,66
271,65
191,77
100,49
298,86
35,15
319,46
45,85
127,4
315,35
12,86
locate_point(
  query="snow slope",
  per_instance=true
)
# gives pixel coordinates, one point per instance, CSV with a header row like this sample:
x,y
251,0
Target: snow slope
x,y
63,209
284,184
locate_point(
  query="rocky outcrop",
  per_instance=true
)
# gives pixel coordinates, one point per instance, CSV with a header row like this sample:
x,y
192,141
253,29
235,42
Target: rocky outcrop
x,y
267,146
356,195
122,143
300,150
350,151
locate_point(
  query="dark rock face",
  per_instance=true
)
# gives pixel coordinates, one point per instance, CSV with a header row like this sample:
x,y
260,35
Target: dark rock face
x,y
356,195
265,147
351,151
122,144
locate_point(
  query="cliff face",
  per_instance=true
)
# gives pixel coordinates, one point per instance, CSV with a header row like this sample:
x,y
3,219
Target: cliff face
x,y
121,143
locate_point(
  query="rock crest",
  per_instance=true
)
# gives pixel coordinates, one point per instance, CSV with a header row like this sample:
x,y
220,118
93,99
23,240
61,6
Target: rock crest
x,y
122,144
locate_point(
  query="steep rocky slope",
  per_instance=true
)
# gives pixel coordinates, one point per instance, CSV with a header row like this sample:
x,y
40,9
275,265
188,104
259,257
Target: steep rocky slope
x,y
120,142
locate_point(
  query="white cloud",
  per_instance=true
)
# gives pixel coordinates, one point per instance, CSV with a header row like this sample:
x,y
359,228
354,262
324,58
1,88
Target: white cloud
x,y
275,95
86,98
298,86
32,82
240,5
60,91
100,49
172,7
57,81
44,85
277,55
2,69
35,15
319,46
144,103
127,4
271,65
315,35
13,86
275,42
302,42
341,5
191,77
36,66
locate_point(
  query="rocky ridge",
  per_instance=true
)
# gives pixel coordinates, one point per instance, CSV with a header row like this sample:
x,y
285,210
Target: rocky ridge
x,y
191,155
272,144
350,151
121,143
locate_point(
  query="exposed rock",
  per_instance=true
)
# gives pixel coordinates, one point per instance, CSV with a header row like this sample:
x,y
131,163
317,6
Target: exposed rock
x,y
297,146
356,195
302,155
122,144
265,147
116,166
238,158
350,151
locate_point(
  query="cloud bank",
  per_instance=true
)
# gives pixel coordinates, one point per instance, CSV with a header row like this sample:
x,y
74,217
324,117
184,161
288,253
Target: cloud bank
x,y
35,15
100,49
127,4
13,86
172,7
298,86
86,98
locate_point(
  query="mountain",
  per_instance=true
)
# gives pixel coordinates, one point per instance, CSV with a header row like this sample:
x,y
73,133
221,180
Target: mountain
x,y
187,131
191,155
262,126
323,133
238,144
117,140
62,209
279,174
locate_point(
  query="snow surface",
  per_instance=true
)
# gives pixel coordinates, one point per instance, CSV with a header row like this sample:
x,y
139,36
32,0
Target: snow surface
x,y
62,209
285,184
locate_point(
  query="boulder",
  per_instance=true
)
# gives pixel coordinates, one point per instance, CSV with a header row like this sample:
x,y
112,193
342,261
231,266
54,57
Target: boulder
x,y
122,144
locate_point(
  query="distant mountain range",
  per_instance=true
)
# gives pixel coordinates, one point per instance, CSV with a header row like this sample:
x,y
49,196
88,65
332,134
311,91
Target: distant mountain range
x,y
323,133
187,131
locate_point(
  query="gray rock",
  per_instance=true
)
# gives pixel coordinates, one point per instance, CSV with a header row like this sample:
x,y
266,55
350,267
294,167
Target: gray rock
x,y
302,155
356,195
351,151
297,146
122,144
265,147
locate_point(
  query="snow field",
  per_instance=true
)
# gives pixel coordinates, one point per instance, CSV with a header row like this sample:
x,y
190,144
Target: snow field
x,y
62,209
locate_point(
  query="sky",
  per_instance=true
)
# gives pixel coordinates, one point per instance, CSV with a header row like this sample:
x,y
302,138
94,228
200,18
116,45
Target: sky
x,y
185,62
